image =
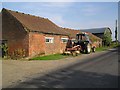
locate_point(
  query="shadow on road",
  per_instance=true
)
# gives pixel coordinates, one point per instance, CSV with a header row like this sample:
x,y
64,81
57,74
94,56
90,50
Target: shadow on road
x,y
71,79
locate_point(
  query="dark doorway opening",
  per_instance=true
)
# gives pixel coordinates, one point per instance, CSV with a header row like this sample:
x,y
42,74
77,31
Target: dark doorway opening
x,y
3,48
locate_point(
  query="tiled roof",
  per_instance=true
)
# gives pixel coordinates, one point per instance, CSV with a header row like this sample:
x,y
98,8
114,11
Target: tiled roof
x,y
34,23
71,32
43,25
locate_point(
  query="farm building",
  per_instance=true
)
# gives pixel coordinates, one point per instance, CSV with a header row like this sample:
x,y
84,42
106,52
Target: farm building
x,y
32,35
72,33
100,32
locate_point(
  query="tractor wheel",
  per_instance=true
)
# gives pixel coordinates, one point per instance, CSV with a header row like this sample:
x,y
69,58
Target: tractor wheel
x,y
74,53
93,49
88,49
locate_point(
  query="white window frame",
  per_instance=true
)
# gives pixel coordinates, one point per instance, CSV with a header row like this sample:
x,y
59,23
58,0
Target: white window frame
x,y
64,39
73,40
51,39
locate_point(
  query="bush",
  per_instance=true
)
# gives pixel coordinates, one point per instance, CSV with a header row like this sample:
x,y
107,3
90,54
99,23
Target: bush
x,y
107,39
4,48
18,53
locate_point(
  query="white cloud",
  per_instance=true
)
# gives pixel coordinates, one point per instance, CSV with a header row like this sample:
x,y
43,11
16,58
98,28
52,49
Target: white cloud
x,y
46,10
58,19
90,10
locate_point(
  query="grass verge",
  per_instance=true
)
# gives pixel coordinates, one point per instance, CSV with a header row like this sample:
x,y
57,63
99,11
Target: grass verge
x,y
113,45
60,56
50,57
102,49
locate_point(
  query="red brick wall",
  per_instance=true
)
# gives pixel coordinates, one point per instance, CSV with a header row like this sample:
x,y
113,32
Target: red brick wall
x,y
36,44
97,43
14,32
63,45
52,48
56,47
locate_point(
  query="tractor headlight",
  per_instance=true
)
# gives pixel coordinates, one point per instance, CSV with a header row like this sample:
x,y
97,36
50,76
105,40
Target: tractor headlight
x,y
85,42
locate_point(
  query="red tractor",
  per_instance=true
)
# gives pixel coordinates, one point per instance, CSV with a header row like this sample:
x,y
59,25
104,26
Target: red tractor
x,y
82,44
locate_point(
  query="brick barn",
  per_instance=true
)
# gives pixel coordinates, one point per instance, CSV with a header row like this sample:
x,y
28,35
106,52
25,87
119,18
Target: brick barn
x,y
34,34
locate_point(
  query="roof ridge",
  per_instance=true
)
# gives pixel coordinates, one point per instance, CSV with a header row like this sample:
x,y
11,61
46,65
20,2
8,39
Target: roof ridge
x,y
70,29
33,16
38,17
24,13
14,17
14,13
95,28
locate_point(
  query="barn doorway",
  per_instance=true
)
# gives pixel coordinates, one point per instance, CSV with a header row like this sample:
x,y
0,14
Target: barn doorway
x,y
3,48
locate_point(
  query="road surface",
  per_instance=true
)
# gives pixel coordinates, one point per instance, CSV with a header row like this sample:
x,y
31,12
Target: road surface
x,y
95,72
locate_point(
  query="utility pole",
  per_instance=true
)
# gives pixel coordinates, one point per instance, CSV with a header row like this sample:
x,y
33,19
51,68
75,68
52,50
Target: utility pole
x,y
116,32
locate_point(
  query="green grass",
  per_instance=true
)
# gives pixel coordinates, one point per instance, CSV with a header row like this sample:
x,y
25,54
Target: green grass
x,y
113,45
50,57
60,56
102,48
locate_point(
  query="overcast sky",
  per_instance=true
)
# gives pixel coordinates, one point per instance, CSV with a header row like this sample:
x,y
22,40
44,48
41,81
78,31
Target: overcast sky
x,y
76,15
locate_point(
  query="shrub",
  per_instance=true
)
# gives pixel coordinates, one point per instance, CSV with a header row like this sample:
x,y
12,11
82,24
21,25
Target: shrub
x,y
18,53
107,39
4,48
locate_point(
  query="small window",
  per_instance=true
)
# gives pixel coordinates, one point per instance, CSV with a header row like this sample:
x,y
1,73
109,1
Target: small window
x,y
64,40
73,40
49,39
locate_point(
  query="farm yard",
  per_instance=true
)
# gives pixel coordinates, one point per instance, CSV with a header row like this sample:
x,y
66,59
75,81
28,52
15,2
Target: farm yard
x,y
39,39
22,70
42,44
59,45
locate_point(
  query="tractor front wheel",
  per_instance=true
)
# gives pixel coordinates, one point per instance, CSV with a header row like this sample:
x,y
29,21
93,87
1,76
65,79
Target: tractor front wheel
x,y
93,49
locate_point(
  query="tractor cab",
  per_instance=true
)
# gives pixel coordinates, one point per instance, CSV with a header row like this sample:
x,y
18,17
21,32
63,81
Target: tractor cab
x,y
82,37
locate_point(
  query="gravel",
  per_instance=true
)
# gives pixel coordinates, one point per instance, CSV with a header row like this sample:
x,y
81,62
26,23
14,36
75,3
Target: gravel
x,y
16,71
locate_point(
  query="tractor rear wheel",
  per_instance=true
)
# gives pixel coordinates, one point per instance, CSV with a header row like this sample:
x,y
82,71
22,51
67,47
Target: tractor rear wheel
x,y
88,49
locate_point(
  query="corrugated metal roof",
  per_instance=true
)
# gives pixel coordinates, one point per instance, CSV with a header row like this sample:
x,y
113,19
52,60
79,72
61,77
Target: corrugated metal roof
x,y
96,30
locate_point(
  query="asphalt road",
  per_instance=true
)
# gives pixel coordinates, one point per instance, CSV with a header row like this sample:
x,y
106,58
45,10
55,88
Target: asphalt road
x,y
95,72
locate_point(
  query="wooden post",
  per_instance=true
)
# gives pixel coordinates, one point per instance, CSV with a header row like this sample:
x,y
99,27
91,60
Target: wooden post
x,y
116,32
